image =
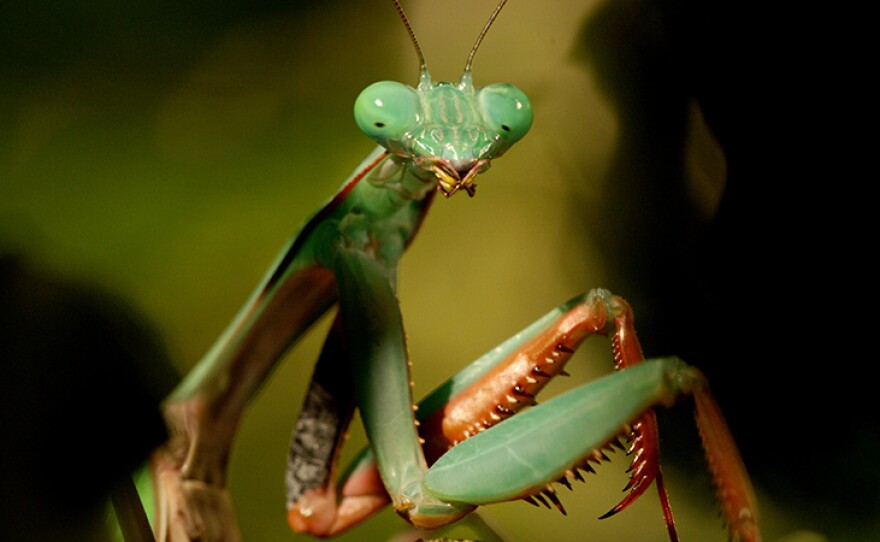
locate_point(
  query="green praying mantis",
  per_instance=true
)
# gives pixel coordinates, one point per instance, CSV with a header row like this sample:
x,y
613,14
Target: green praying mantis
x,y
480,437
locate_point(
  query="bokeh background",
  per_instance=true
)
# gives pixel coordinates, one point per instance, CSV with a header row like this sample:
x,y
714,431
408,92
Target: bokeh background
x,y
154,156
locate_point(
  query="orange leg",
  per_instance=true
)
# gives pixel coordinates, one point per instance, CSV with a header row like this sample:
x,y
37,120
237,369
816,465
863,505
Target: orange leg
x,y
504,382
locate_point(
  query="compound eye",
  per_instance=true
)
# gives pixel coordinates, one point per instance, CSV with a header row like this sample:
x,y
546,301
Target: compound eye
x,y
507,109
386,110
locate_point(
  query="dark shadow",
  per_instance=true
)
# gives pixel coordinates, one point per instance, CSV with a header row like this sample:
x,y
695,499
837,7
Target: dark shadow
x,y
755,295
81,378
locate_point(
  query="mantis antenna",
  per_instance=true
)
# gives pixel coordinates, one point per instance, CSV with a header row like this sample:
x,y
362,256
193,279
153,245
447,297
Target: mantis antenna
x,y
418,48
412,34
470,58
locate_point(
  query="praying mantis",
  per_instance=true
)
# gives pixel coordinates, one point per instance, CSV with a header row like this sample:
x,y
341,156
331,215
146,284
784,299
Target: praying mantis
x,y
480,438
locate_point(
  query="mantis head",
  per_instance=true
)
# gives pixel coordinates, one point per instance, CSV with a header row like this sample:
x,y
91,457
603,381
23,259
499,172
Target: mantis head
x,y
442,129
445,130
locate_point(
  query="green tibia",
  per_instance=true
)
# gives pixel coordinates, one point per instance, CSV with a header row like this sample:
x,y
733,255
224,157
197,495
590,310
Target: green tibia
x,y
374,334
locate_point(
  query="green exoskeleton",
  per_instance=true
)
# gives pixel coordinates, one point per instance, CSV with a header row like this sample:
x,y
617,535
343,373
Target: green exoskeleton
x,y
465,445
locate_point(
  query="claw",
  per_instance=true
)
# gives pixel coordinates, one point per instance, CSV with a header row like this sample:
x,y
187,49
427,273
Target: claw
x,y
644,438
643,470
734,491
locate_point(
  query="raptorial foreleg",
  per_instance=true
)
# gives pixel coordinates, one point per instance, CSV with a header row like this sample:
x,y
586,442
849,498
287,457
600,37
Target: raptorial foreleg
x,y
581,423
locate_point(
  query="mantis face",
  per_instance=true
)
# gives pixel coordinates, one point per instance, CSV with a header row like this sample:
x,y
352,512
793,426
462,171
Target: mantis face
x,y
443,130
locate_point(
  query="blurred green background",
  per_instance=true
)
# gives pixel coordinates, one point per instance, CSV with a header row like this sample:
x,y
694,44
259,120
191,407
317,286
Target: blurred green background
x,y
161,153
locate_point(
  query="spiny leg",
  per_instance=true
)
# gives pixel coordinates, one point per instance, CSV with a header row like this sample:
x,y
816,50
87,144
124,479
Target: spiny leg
x,y
379,365
576,423
735,494
313,505
644,437
514,381
582,422
515,378
734,490
506,379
